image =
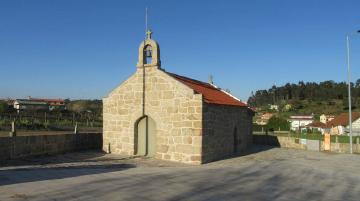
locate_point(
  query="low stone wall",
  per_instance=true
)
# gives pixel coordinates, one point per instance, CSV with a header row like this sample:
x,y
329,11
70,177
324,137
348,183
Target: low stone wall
x,y
305,144
25,146
278,141
344,148
313,145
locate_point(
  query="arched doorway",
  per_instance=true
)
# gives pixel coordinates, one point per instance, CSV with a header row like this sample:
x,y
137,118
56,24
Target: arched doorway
x,y
145,136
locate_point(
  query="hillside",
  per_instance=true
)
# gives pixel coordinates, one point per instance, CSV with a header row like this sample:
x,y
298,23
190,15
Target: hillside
x,y
326,97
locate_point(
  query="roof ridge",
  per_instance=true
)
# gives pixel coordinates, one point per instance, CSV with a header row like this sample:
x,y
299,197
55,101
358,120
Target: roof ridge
x,y
343,119
194,80
211,93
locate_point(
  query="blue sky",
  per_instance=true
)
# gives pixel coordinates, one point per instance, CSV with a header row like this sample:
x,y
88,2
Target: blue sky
x,y
85,48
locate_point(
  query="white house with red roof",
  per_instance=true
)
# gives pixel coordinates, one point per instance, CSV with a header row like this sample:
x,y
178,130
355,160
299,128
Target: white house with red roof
x,y
39,104
53,103
160,114
340,124
298,122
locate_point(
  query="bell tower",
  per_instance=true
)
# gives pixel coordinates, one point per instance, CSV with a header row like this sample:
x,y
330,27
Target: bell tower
x,y
149,53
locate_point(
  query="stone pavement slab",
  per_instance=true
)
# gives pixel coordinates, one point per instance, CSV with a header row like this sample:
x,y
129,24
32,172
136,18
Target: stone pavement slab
x,y
263,174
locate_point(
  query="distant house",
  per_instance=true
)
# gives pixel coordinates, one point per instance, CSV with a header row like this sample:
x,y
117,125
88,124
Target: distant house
x,y
298,122
264,118
25,104
317,126
340,124
53,103
39,104
274,107
326,118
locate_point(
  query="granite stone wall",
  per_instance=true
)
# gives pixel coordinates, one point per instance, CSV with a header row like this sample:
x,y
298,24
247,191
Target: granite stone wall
x,y
25,146
227,130
175,108
304,144
279,141
344,148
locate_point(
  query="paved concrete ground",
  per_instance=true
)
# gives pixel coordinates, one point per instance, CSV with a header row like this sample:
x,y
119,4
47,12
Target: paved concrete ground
x,y
265,174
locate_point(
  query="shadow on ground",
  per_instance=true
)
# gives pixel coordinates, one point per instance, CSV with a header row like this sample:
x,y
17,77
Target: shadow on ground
x,y
71,157
60,166
77,164
263,173
271,180
252,150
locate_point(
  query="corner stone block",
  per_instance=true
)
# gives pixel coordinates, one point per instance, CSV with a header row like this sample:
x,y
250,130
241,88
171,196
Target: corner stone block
x,y
197,124
197,140
195,158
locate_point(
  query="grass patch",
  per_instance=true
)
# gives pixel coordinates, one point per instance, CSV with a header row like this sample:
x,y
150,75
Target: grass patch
x,y
314,136
344,139
310,136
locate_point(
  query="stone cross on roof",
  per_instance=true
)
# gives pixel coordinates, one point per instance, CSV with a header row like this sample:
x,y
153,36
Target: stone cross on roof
x,y
148,34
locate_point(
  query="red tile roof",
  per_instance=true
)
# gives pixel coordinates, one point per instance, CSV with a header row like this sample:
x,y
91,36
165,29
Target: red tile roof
x,y
52,102
210,93
316,124
343,119
46,99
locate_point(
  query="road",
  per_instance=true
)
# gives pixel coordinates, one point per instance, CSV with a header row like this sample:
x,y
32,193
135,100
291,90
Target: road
x,y
265,173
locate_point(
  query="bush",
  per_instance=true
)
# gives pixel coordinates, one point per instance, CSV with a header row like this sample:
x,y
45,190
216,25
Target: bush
x,y
276,123
343,138
257,127
3,107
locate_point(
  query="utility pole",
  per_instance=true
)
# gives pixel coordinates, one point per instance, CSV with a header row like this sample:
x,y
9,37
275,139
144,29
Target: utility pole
x,y
349,87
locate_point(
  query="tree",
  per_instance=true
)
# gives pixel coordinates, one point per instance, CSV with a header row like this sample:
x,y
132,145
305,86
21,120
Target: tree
x,y
79,106
3,106
357,83
309,91
276,123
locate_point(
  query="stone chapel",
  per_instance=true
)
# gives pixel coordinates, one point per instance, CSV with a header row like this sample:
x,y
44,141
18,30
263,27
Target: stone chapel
x,y
159,114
